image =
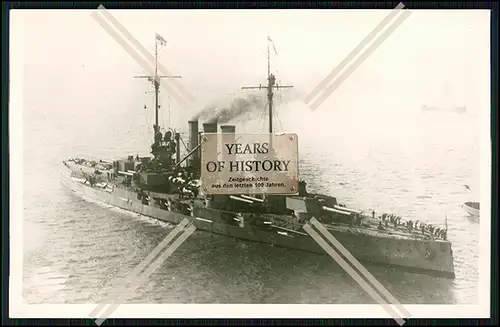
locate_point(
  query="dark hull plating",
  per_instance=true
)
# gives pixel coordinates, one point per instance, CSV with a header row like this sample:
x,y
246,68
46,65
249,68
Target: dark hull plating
x,y
431,257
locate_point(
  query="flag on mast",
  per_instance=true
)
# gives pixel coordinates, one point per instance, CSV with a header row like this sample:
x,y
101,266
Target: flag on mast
x,y
160,39
446,222
272,43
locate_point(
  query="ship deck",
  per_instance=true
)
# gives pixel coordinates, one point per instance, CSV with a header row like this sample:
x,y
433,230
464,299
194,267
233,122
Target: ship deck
x,y
369,225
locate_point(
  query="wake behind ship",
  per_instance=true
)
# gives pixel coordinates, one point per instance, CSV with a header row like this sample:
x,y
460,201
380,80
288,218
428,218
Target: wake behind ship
x,y
167,187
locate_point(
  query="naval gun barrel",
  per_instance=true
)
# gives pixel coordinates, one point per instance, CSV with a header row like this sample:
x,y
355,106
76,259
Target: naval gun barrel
x,y
251,198
347,209
125,173
336,211
237,198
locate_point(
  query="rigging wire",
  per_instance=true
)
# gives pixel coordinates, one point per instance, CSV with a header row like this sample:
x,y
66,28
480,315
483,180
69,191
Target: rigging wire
x,y
148,121
183,143
146,127
162,118
263,116
169,109
275,112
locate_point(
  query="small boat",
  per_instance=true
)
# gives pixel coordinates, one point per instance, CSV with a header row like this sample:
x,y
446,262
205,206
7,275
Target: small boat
x,y
472,208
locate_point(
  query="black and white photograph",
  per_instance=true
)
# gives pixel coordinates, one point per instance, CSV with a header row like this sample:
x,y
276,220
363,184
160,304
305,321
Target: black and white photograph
x,y
354,180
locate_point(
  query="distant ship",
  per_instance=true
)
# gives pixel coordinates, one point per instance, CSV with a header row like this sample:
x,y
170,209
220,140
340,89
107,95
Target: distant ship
x,y
455,109
167,187
472,208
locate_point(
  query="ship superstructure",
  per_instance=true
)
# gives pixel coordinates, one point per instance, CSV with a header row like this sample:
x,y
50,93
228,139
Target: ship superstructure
x,y
166,186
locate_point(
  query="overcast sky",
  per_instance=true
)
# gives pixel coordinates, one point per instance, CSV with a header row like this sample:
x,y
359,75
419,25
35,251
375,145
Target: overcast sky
x,y
435,57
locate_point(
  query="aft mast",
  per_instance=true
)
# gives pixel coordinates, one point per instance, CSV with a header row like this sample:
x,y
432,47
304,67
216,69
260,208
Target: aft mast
x,y
271,84
155,79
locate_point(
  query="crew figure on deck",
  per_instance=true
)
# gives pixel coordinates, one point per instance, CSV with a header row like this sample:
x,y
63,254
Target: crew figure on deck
x,y
163,148
380,226
193,185
170,144
302,188
409,223
427,230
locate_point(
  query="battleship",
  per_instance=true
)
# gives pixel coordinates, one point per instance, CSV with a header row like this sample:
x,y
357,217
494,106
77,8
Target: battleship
x,y
166,186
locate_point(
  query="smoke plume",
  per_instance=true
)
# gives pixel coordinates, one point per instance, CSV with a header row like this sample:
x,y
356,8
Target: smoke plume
x,y
237,107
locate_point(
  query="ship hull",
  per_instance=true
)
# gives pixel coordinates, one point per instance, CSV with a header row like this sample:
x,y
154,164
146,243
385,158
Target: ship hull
x,y
470,209
419,256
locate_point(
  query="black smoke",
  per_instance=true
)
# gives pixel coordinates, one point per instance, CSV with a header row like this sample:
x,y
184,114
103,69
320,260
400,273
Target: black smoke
x,y
238,107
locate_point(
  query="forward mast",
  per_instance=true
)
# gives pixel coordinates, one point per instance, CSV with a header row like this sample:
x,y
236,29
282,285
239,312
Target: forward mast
x,y
155,79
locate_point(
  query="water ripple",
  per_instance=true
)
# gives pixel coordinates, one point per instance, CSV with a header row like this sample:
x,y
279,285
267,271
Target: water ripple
x,y
73,246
